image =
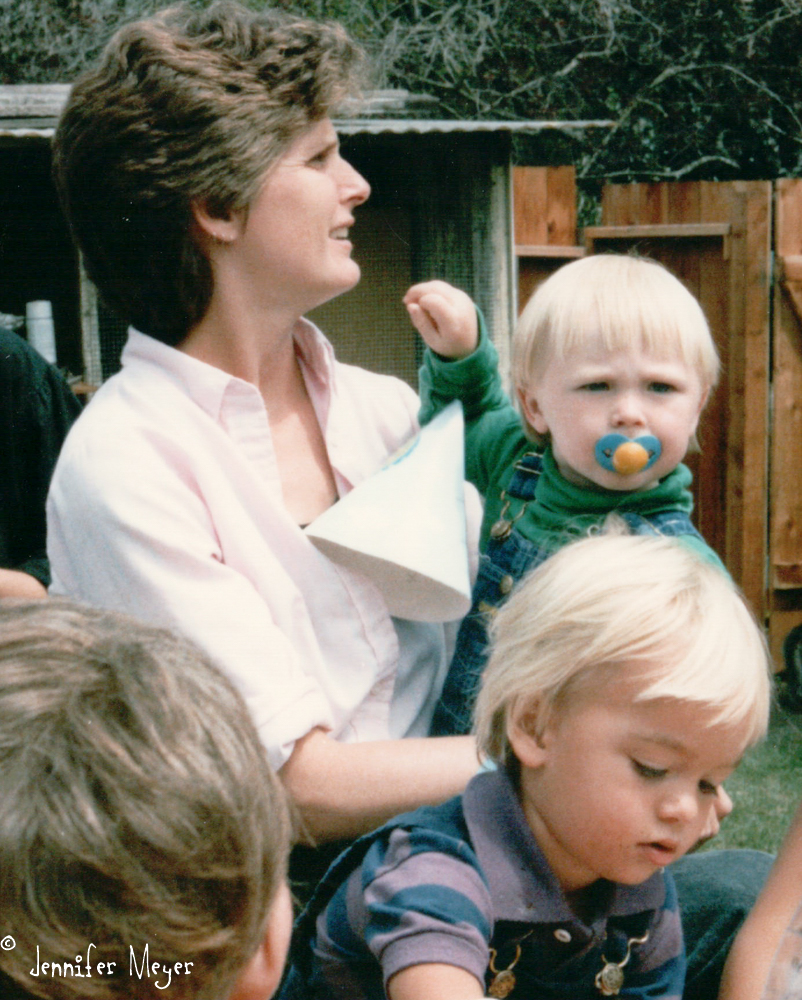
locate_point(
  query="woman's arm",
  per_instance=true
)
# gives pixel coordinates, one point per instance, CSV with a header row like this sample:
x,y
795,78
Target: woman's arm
x,y
345,789
15,583
752,954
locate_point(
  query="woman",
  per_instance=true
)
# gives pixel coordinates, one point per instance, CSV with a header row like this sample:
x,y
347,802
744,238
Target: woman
x,y
202,178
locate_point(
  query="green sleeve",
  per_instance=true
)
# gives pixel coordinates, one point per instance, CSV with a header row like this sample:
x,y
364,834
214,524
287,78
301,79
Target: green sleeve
x,y
494,435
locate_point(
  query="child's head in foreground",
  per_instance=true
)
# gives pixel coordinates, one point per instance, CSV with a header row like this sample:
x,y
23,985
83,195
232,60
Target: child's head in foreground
x,y
611,350
137,811
626,680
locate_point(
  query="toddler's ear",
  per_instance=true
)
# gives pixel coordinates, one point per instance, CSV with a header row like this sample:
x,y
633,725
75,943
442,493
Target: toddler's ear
x,y
527,735
531,411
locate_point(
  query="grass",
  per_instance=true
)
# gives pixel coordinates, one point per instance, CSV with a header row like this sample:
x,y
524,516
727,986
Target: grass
x,y
766,788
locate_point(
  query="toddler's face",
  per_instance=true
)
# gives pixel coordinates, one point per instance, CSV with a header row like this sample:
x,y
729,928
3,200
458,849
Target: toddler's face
x,y
589,394
618,789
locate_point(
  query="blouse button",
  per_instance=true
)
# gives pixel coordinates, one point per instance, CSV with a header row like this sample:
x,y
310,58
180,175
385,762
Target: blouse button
x,y
505,584
562,935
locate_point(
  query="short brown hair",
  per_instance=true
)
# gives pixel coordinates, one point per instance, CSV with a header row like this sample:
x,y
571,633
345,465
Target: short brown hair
x,y
137,807
185,107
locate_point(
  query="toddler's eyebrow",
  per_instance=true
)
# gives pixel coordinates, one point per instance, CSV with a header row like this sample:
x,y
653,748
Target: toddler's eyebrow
x,y
670,743
662,739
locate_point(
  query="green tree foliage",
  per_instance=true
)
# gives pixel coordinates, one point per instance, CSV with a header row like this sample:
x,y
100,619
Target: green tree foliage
x,y
696,89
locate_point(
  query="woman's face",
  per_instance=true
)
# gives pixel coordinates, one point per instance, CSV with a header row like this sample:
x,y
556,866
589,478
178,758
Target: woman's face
x,y
294,241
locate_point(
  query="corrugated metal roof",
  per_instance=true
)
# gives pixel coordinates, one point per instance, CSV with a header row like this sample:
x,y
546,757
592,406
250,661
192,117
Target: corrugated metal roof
x,y
30,111
375,126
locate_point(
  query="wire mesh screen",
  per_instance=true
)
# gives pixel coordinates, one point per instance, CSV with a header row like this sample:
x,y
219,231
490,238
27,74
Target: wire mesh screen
x,y
368,326
113,334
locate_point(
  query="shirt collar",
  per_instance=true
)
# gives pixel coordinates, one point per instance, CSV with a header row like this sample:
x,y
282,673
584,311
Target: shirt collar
x,y
522,886
208,385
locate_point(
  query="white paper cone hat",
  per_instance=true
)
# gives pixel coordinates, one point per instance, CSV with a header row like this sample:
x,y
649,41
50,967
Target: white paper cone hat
x,y
404,527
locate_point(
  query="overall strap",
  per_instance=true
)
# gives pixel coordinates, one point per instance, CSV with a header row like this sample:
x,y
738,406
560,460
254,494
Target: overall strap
x,y
522,486
526,472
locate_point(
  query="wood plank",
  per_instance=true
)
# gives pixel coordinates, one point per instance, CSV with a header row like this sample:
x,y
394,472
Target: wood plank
x,y
786,452
734,453
671,230
683,202
653,203
530,196
547,250
561,205
757,276
785,613
789,267
710,489
620,204
715,201
793,290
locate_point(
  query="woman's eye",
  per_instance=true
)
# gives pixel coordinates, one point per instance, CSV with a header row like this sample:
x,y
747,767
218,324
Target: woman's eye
x,y
595,386
651,773
708,788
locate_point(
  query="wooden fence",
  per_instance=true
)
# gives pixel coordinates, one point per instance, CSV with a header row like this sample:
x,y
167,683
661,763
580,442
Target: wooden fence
x,y
738,247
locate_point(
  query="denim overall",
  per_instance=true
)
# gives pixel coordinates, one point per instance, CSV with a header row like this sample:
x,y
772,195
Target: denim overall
x,y
507,558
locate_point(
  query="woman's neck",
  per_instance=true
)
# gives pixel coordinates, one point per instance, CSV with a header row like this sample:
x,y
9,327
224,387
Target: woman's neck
x,y
254,345
260,348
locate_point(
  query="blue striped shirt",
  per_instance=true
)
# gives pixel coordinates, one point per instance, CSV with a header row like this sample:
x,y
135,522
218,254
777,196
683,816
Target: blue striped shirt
x,y
447,884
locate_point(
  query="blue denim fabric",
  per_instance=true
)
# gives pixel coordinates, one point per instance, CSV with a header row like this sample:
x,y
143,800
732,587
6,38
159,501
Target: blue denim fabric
x,y
501,567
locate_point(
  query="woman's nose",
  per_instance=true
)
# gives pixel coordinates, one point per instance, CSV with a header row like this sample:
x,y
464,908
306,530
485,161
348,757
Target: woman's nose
x,y
355,189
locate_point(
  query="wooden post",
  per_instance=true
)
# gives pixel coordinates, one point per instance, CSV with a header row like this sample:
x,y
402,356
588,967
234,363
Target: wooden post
x,y
785,570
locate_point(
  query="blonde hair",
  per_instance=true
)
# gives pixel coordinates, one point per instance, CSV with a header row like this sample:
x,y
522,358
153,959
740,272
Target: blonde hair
x,y
137,808
612,301
616,601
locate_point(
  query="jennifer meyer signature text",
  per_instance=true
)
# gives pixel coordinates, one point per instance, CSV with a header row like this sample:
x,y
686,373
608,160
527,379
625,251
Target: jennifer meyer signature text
x,y
160,972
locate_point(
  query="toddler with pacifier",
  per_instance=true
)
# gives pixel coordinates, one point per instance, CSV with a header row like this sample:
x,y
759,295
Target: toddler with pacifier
x,y
613,362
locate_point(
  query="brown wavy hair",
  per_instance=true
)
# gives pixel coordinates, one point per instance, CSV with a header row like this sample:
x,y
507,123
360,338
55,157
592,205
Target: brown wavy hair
x,y
186,107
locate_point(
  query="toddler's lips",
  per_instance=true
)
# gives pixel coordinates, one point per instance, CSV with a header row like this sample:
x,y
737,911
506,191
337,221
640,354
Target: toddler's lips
x,y
660,853
627,456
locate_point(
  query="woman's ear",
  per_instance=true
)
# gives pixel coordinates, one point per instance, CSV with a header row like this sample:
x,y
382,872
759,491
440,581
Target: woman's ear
x,y
260,978
222,230
526,733
531,411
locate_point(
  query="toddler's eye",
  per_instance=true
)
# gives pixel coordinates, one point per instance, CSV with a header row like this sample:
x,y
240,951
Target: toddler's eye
x,y
651,773
595,386
661,387
708,788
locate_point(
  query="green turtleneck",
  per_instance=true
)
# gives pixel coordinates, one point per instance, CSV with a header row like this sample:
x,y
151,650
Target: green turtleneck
x,y
495,440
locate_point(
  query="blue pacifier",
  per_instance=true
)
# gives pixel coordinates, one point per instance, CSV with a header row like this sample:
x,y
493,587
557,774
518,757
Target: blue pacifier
x,y
627,456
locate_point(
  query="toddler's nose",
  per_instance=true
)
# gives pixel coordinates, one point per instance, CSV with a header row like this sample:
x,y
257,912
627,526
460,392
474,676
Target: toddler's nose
x,y
627,412
679,807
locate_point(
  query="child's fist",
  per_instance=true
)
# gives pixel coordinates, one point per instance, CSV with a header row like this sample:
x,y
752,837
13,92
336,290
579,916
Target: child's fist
x,y
444,316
